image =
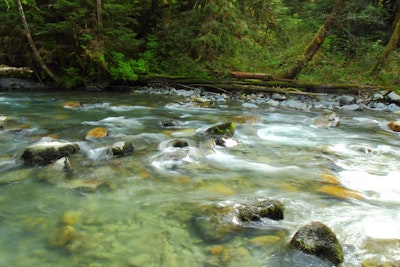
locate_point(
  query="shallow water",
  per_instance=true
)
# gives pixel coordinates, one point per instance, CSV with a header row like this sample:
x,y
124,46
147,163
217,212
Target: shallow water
x,y
141,214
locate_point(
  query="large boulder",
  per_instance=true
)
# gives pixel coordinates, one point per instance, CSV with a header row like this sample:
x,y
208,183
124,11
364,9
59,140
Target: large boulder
x,y
318,239
48,151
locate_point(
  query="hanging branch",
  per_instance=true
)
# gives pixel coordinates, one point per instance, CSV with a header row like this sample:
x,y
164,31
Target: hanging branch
x,y
7,4
392,45
32,44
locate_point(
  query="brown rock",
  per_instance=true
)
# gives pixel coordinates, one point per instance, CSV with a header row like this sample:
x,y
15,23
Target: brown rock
x,y
394,126
98,132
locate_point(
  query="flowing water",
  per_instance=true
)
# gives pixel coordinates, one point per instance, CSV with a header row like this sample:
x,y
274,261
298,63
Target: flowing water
x,y
140,207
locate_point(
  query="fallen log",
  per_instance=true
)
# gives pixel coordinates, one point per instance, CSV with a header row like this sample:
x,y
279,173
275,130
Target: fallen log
x,y
263,83
5,70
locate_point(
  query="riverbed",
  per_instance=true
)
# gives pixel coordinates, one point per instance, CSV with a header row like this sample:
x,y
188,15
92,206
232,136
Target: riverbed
x,y
138,210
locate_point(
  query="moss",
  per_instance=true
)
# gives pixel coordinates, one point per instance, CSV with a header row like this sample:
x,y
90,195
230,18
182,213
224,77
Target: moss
x,y
226,129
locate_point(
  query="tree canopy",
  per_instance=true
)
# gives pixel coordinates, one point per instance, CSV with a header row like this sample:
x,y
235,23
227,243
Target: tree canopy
x,y
84,42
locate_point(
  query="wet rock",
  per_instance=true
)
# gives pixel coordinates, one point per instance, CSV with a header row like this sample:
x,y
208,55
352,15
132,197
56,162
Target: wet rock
x,y
346,100
62,164
72,104
122,149
3,119
226,129
352,107
278,97
263,208
327,120
215,223
392,107
46,152
339,192
167,124
393,97
318,239
219,222
178,143
226,142
98,132
394,126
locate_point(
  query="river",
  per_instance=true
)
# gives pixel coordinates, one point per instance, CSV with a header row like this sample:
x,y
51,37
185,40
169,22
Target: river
x,y
140,209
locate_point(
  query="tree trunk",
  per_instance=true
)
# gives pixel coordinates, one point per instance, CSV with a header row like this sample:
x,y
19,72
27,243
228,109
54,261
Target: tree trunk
x,y
392,45
316,42
32,44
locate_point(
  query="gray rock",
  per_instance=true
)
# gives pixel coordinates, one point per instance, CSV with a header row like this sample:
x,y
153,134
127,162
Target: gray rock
x,y
265,208
19,84
346,100
393,97
46,152
278,97
318,239
393,108
352,107
62,164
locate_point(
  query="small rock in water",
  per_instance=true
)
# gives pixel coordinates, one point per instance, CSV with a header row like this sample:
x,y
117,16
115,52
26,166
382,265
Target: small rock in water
x,y
72,104
394,126
166,124
122,148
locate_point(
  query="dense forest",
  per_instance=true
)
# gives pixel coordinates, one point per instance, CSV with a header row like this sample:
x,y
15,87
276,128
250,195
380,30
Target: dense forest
x,y
76,43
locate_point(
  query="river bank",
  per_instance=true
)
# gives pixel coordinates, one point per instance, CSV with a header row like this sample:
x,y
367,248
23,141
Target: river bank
x,y
380,100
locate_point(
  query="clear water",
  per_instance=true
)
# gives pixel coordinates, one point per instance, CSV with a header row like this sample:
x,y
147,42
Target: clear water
x,y
140,213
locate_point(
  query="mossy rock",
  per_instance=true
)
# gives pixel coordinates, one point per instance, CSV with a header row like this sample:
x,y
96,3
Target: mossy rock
x,y
318,239
122,149
47,152
226,129
256,210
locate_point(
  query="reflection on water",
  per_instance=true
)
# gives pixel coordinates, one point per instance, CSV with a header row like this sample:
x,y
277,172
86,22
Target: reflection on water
x,y
137,210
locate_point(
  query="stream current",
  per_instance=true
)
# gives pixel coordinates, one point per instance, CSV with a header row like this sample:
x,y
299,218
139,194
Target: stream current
x,y
139,211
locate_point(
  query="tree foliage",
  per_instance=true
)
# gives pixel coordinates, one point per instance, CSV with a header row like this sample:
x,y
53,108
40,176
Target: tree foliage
x,y
86,42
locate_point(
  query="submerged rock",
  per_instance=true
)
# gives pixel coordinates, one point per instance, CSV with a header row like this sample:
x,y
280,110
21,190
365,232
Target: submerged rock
x,y
327,120
46,152
318,239
219,222
226,129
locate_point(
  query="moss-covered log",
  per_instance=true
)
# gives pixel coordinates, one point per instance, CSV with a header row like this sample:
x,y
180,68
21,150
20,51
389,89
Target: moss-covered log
x,y
274,85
